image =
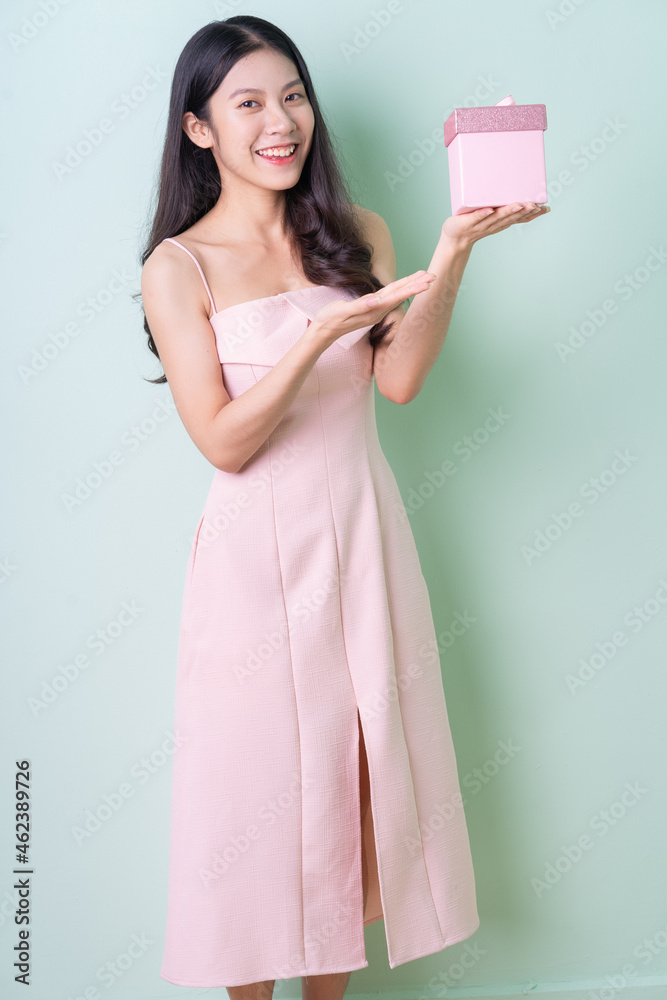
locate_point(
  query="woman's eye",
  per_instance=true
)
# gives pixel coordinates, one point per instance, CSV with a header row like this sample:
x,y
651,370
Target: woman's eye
x,y
250,100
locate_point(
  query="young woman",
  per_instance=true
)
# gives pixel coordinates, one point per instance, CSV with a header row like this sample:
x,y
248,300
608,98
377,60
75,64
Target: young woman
x,y
314,787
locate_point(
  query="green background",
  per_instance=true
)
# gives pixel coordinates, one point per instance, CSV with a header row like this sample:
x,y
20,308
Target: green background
x,y
565,659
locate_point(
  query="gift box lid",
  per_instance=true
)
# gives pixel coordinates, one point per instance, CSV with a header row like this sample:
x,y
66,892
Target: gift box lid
x,y
505,116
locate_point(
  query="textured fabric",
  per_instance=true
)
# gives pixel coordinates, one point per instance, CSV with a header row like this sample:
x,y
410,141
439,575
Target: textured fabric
x,y
306,615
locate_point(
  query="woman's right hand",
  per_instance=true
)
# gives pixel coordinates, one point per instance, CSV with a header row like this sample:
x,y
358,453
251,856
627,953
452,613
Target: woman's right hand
x,y
344,315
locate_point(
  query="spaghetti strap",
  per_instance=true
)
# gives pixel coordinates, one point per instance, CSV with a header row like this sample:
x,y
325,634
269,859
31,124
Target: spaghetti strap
x,y
172,240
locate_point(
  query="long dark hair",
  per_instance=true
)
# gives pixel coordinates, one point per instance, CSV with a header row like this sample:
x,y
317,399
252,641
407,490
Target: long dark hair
x,y
319,217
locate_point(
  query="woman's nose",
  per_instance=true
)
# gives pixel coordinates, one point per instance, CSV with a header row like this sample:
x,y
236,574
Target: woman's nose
x,y
280,120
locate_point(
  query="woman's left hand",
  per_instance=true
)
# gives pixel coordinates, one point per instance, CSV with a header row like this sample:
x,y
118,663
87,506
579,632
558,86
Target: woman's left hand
x,y
467,228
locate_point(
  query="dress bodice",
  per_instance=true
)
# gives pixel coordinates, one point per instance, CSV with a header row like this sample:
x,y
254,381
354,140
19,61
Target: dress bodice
x,y
262,330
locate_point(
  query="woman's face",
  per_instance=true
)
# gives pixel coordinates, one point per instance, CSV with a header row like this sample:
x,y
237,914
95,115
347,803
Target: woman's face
x,y
260,104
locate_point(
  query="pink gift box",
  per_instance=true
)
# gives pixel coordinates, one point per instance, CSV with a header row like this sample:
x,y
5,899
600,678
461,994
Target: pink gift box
x,y
496,155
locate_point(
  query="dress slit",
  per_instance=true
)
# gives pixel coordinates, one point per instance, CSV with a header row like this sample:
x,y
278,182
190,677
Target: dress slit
x,y
369,866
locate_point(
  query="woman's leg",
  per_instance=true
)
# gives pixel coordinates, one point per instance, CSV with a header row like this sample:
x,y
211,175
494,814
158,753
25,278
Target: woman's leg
x,y
364,804
331,987
253,991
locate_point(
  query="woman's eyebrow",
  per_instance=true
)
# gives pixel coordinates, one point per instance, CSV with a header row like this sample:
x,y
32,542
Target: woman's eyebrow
x,y
254,90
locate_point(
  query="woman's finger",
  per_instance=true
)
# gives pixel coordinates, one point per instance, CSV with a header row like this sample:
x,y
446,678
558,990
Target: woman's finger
x,y
542,210
508,215
400,283
372,307
398,291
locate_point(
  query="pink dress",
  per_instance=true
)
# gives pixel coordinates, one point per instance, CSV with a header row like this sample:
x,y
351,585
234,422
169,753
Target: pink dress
x,y
306,615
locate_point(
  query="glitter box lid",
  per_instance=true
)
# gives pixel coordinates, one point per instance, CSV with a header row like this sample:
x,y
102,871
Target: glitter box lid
x,y
505,116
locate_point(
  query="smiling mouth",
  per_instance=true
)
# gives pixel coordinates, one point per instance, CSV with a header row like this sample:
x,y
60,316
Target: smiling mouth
x,y
278,152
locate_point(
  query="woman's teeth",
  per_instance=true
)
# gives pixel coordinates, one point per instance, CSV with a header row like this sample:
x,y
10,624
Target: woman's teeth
x,y
277,151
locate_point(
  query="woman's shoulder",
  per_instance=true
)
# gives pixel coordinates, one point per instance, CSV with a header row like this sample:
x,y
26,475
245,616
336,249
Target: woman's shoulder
x,y
166,255
162,263
165,265
364,215
376,232
373,226
189,238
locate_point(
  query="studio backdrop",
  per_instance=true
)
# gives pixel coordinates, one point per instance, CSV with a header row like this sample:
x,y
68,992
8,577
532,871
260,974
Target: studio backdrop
x,y
531,467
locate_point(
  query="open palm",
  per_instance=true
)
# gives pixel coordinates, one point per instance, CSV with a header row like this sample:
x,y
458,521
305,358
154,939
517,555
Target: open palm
x,y
469,227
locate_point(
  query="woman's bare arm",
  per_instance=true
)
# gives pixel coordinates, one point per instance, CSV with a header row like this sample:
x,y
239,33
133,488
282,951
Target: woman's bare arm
x,y
403,359
229,431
